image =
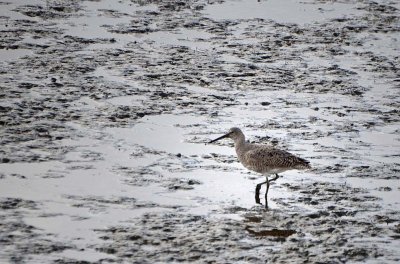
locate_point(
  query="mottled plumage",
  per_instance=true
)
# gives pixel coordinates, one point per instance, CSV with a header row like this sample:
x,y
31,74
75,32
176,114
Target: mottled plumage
x,y
263,159
268,160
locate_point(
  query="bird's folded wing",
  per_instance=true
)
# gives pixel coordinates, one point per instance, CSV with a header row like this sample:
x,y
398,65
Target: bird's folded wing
x,y
273,158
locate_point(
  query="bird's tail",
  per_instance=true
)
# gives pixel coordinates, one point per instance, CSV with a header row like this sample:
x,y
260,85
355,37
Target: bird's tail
x,y
303,164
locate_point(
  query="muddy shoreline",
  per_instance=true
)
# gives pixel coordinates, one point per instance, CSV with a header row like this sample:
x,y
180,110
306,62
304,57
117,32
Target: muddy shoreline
x,y
105,109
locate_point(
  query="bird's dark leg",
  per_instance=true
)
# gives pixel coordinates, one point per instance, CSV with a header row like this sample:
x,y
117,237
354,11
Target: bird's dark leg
x,y
276,177
258,187
266,194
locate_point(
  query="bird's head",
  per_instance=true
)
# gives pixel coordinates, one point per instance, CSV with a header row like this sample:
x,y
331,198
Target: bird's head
x,y
234,133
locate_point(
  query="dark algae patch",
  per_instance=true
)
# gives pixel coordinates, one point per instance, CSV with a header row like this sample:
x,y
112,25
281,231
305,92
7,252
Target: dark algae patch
x,y
270,233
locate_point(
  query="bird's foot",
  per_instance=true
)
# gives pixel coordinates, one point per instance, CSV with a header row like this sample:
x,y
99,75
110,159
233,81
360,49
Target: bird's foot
x,y
260,203
266,208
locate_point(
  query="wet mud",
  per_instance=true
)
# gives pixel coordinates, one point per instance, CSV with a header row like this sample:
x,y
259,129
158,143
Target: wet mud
x,y
106,109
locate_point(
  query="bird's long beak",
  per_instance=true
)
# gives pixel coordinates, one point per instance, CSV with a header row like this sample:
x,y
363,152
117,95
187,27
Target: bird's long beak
x,y
221,137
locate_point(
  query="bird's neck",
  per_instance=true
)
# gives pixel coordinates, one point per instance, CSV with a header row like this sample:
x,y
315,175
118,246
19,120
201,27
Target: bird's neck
x,y
240,143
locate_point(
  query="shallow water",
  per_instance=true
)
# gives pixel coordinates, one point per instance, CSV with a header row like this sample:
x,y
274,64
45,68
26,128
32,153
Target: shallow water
x,y
9,55
293,11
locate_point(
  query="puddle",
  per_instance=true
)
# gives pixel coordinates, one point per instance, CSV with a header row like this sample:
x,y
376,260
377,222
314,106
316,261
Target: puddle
x,y
383,44
95,23
293,11
91,25
13,54
135,100
387,190
226,58
113,76
162,133
91,255
7,9
383,140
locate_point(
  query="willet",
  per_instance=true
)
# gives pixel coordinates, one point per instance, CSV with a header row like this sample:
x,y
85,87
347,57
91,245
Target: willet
x,y
263,159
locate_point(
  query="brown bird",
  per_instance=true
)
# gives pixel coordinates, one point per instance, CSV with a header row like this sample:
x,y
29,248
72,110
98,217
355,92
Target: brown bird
x,y
263,159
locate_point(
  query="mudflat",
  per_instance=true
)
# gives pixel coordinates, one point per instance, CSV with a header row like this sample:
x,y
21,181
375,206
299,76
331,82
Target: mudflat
x,y
106,106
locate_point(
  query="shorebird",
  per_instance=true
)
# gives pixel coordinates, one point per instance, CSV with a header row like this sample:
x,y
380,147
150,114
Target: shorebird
x,y
263,159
